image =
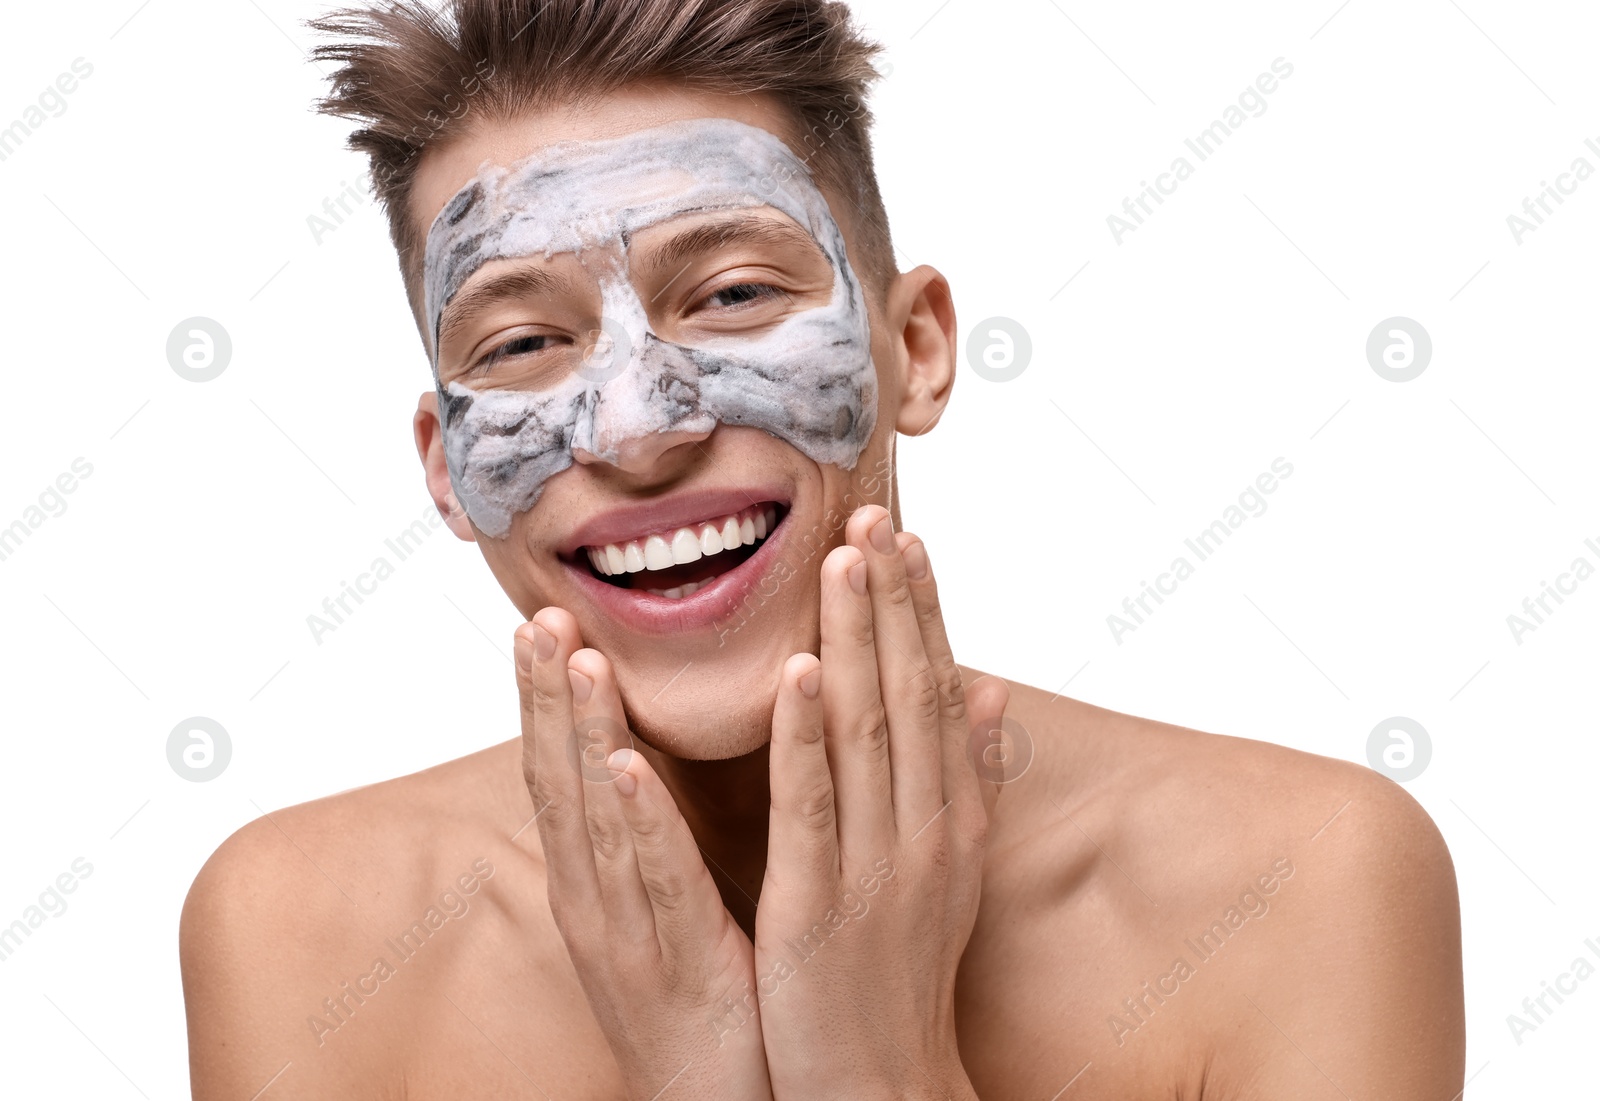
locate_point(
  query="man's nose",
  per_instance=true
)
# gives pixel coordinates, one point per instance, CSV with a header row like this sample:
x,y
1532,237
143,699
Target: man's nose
x,y
645,404
640,454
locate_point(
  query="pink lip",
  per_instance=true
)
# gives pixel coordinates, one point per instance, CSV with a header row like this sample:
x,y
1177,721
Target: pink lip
x,y
636,521
646,613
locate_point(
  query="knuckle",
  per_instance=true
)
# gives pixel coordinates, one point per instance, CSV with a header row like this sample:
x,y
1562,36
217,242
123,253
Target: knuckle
x,y
669,892
897,598
872,729
610,844
541,697
650,833
952,690
924,697
555,813
814,808
541,778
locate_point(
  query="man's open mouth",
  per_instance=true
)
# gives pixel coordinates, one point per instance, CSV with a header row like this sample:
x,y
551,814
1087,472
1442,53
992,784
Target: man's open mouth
x,y
678,562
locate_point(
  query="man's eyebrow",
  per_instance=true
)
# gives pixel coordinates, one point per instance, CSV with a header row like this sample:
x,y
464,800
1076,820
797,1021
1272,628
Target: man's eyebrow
x,y
477,299
749,229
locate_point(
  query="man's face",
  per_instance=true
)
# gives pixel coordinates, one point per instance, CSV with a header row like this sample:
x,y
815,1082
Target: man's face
x,y
683,533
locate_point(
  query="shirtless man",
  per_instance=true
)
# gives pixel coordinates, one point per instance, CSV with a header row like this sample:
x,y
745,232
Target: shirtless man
x,y
759,835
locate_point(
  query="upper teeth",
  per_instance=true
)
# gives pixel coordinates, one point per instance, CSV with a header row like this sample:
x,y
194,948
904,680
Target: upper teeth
x,y
657,552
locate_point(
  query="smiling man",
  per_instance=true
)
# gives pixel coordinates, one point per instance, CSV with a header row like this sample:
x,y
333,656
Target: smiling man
x,y
760,836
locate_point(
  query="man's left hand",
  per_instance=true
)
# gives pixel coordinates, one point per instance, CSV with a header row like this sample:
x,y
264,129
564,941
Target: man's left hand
x,y
878,821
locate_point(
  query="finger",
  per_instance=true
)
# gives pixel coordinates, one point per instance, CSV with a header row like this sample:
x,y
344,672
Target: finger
x,y
543,646
905,678
601,729
683,897
802,837
954,750
855,730
987,742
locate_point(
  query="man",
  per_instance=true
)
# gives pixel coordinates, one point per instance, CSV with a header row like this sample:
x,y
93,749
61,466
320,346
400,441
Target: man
x,y
760,835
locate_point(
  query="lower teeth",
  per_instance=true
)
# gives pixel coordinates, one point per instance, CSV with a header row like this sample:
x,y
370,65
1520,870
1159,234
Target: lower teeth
x,y
681,591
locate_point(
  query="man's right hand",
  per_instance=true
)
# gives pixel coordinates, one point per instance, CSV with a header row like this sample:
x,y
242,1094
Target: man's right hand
x,y
655,949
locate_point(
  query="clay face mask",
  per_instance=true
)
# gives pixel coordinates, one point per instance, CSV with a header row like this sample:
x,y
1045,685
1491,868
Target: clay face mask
x,y
808,379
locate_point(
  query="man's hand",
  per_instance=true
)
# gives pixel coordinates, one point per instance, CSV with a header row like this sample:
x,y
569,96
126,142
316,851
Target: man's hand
x,y
653,945
877,827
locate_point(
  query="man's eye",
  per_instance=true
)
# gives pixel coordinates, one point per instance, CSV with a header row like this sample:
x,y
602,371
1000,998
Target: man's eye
x,y
517,346
742,294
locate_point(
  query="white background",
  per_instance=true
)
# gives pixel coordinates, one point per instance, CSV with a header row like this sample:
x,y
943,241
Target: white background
x,y
1228,330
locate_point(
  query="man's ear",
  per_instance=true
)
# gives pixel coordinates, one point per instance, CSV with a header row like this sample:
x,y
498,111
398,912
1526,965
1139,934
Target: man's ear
x,y
430,449
925,327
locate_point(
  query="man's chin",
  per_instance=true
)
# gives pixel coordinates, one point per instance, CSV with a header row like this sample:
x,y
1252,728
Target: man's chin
x,y
708,728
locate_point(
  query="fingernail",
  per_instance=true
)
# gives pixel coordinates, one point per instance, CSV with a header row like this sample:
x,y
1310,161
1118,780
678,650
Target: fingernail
x,y
858,578
618,764
916,562
882,537
581,686
524,650
544,643
811,683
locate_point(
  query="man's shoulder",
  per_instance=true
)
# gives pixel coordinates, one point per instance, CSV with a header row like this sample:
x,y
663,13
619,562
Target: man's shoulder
x,y
356,833
1248,889
311,872
1216,798
296,923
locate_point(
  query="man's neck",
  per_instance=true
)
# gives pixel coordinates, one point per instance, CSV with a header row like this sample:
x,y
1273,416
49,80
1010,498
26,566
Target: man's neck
x,y
727,805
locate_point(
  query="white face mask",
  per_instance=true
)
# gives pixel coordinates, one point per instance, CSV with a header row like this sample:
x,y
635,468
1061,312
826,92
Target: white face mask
x,y
808,380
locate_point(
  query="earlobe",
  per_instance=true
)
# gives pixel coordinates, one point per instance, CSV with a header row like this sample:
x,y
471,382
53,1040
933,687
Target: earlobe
x,y
429,435
926,332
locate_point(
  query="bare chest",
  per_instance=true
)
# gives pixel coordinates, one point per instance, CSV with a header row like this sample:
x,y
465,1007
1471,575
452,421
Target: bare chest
x,y
502,1014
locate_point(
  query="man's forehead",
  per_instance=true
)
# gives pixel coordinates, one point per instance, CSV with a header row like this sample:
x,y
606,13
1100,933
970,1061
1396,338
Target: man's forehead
x,y
591,182
447,167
